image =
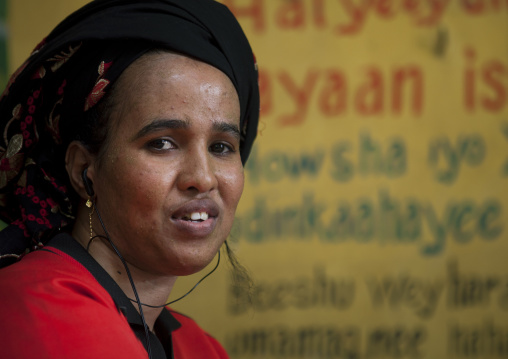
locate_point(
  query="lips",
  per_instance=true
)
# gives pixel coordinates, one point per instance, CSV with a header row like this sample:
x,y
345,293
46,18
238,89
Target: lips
x,y
196,217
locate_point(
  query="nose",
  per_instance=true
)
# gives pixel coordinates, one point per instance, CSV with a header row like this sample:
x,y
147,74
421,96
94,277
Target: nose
x,y
197,172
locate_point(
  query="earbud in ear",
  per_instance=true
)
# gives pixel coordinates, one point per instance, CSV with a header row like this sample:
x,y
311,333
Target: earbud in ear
x,y
87,183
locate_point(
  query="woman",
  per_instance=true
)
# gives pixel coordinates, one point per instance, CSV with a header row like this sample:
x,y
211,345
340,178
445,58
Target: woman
x,y
124,134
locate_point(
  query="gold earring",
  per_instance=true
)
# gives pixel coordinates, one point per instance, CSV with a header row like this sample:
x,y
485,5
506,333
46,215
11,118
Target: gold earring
x,y
89,204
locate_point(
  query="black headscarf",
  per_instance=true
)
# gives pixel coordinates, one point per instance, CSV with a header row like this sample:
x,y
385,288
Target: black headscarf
x,y
49,98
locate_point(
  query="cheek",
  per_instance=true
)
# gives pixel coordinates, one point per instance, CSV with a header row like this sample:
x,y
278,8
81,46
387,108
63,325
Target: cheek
x,y
149,185
233,187
133,183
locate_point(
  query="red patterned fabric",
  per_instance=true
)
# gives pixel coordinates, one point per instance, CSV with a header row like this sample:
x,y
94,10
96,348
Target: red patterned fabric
x,y
47,113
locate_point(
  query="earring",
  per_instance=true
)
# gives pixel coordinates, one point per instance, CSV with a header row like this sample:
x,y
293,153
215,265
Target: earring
x,y
89,204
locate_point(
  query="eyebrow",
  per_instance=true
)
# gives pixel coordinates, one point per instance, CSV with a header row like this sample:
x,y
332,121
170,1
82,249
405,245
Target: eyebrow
x,y
174,124
226,127
158,125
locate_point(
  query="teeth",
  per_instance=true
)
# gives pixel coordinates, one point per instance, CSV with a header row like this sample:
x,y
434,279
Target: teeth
x,y
196,216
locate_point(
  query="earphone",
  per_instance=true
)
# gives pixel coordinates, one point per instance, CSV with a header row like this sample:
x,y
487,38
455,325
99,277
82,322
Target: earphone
x,y
87,183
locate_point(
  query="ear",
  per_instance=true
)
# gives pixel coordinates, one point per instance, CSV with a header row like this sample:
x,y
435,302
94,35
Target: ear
x,y
77,159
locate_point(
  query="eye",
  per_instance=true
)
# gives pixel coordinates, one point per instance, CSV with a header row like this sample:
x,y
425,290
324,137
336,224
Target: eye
x,y
221,148
161,144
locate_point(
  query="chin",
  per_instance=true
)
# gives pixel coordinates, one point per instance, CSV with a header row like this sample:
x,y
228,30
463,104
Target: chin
x,y
192,264
187,270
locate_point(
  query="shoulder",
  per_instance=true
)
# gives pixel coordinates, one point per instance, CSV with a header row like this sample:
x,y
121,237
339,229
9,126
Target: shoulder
x,y
47,274
46,271
54,303
191,341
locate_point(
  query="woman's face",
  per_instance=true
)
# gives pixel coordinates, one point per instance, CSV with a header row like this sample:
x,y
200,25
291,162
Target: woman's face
x,y
171,176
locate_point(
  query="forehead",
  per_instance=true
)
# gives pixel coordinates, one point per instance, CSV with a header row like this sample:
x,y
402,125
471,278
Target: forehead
x,y
161,84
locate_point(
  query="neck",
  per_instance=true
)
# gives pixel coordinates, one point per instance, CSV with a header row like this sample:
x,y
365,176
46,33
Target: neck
x,y
152,289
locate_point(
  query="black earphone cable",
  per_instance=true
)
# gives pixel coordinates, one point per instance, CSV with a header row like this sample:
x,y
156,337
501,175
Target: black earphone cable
x,y
147,334
175,300
186,294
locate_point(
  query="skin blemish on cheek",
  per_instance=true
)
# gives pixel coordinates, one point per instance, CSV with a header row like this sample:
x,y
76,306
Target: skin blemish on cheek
x,y
150,195
112,154
130,159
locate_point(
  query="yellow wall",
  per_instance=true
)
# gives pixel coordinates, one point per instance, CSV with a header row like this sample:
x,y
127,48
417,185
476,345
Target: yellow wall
x,y
374,214
30,21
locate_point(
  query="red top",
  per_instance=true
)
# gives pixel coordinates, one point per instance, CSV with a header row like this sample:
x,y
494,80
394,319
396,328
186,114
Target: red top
x,y
51,306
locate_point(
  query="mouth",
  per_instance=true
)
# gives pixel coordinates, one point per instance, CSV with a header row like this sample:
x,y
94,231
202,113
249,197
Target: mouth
x,y
196,218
